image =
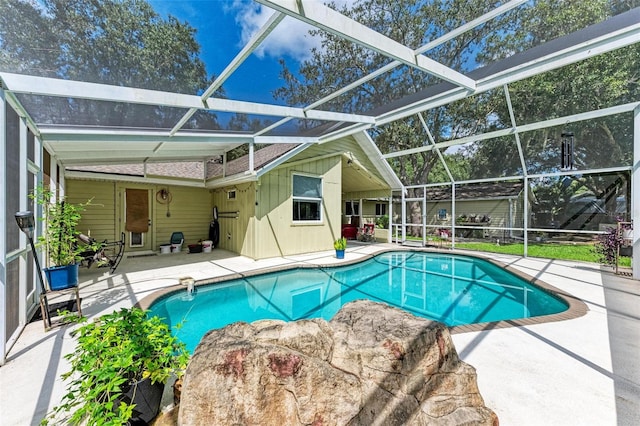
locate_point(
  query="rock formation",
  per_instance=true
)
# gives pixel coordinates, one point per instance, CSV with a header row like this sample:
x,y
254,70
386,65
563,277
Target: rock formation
x,y
371,364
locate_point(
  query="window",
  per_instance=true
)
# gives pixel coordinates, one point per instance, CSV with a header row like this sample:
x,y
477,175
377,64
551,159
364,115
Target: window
x,y
307,198
381,209
351,208
231,194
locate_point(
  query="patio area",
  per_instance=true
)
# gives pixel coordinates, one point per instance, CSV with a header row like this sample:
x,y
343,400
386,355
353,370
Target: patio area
x,y
575,372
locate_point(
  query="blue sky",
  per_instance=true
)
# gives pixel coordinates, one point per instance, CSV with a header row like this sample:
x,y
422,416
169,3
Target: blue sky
x,y
224,26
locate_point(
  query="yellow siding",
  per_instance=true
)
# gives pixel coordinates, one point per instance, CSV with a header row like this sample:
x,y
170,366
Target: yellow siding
x,y
190,211
100,217
276,234
368,195
497,209
236,233
264,226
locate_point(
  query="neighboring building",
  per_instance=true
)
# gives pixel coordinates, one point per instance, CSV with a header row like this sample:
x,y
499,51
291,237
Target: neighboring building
x,y
482,210
290,203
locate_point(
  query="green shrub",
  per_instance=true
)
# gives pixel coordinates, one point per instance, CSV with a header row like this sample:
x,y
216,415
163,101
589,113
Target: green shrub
x,y
113,352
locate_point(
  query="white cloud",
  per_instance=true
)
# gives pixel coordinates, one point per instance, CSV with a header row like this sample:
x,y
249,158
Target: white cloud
x,y
291,37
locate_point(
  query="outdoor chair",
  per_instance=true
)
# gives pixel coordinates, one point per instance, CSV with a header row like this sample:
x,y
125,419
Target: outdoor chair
x,y
103,254
46,308
350,232
367,233
177,239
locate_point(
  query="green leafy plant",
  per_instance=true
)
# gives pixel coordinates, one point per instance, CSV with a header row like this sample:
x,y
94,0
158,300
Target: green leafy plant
x,y
382,222
60,235
610,243
114,352
340,243
607,247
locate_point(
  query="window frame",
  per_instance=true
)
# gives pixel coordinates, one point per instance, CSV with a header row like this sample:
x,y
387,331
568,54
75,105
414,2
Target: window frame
x,y
348,211
297,198
381,209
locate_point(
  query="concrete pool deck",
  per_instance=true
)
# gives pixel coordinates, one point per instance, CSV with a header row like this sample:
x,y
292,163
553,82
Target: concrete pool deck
x,y
581,371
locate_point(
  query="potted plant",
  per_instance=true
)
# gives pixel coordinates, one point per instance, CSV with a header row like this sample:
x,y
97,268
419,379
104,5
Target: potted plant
x,y
60,238
340,245
118,370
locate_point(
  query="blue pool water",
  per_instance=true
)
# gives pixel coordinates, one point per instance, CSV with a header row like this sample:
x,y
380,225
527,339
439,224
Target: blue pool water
x,y
453,289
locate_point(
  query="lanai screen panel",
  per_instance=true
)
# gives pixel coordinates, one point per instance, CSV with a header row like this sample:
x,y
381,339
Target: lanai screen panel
x,y
597,143
88,112
592,84
439,215
581,202
485,159
471,56
219,121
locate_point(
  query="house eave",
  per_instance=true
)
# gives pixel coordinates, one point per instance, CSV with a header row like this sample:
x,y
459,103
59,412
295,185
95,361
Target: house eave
x,y
71,174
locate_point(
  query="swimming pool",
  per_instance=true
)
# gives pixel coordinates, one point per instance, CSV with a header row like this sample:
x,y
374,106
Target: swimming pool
x,y
453,289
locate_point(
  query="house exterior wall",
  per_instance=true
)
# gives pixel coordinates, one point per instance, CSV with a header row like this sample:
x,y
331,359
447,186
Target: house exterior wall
x,y
236,233
190,211
502,215
100,218
275,232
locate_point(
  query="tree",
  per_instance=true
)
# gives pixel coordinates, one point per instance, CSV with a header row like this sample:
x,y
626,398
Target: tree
x,y
595,83
120,42
590,84
412,23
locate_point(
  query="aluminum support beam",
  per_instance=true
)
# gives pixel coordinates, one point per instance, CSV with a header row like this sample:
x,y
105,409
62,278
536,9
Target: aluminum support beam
x,y
635,195
4,220
520,129
317,14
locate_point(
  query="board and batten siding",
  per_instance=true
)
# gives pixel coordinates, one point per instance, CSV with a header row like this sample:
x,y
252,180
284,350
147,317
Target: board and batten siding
x,y
235,217
275,232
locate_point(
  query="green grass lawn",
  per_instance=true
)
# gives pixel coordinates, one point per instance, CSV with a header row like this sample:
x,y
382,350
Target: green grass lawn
x,y
580,252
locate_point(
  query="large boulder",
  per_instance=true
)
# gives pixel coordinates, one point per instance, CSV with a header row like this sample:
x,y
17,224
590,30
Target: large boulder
x,y
371,364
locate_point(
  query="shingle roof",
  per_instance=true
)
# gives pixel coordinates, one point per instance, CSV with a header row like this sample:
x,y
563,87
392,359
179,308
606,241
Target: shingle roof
x,y
261,158
192,169
476,191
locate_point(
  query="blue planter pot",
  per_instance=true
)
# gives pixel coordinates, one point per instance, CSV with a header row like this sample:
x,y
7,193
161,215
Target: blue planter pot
x,y
339,254
62,277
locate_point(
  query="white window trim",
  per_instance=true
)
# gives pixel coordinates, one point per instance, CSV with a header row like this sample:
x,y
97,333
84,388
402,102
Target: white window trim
x,y
297,198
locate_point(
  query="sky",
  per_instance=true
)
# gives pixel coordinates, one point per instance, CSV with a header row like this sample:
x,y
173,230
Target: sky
x,y
223,28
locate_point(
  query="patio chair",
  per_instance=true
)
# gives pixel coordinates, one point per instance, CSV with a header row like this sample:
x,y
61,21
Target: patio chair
x,y
367,233
177,238
104,254
46,309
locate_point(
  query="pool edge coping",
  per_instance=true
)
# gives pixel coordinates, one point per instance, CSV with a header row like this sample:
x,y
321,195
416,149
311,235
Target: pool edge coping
x,y
576,307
